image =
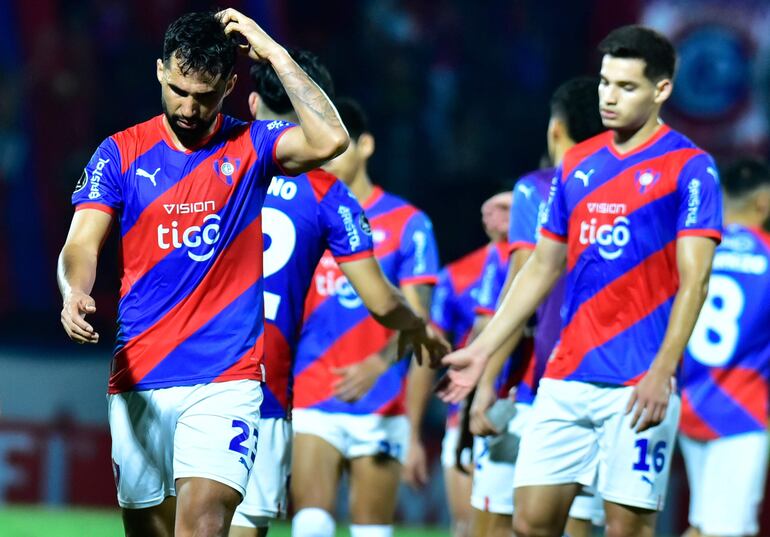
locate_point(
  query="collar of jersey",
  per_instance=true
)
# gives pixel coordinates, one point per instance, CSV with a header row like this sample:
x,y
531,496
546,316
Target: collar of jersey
x,y
170,141
662,130
373,198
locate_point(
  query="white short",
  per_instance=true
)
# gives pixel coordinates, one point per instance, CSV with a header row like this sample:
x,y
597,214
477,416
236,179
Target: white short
x,y
494,469
159,436
449,449
727,482
494,462
267,491
356,435
580,433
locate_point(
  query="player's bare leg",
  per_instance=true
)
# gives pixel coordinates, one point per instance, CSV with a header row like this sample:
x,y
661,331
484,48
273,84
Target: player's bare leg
x,y
315,474
241,531
373,491
155,521
625,521
577,527
541,511
486,524
458,491
204,507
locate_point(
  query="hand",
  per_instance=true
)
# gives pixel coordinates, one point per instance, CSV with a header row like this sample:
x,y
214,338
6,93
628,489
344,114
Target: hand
x,y
465,369
483,400
415,471
260,45
357,379
649,400
423,340
76,306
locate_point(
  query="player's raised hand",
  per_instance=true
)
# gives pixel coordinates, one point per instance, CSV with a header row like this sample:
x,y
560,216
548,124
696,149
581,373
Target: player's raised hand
x,y
465,369
356,380
424,341
649,400
260,46
76,306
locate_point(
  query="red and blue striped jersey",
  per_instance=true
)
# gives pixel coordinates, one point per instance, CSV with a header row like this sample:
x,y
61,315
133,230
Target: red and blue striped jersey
x,y
190,309
302,217
528,212
338,330
726,366
620,216
453,303
494,274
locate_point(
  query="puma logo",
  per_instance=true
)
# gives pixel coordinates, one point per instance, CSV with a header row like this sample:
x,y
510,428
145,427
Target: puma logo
x,y
583,176
151,176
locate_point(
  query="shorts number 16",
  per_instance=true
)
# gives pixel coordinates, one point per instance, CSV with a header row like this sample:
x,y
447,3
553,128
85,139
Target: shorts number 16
x,y
658,456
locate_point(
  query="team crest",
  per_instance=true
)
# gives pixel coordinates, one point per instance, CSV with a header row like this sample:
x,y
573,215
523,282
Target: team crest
x,y
225,168
646,179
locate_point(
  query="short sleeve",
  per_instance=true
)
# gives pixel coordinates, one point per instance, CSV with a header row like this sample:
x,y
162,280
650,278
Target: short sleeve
x,y
700,199
441,312
347,230
555,225
524,223
492,280
100,185
265,135
419,253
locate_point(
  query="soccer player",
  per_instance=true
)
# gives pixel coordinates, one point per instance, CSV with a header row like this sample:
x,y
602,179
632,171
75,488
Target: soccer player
x,y
349,399
726,368
302,217
186,189
574,118
452,311
635,213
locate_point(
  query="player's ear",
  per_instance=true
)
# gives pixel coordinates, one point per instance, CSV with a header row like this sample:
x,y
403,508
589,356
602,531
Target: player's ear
x,y
663,89
230,85
557,130
365,145
159,70
254,101
762,203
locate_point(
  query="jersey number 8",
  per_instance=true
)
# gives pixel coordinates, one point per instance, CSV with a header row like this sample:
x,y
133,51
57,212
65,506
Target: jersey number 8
x,y
715,335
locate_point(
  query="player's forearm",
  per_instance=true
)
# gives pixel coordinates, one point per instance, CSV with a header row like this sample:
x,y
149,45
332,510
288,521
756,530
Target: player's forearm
x,y
324,132
76,269
395,313
527,291
684,314
418,392
497,360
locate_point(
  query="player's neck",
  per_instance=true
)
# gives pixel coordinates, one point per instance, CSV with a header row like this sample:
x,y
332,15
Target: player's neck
x,y
181,146
626,141
743,218
361,187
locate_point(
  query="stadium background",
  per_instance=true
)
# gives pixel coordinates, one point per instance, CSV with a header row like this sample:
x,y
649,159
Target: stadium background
x,y
457,94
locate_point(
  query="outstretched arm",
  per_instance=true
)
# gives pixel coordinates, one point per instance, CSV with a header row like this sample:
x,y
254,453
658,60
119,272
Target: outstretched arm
x,y
527,291
76,272
649,400
321,135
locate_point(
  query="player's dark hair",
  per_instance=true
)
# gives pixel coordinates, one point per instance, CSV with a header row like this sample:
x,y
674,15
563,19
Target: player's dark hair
x,y
744,176
200,45
270,89
353,117
642,43
576,102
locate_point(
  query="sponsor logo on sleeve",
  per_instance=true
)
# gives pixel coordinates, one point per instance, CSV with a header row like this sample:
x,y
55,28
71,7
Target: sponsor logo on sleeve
x,y
276,124
354,239
363,223
96,179
693,202
420,239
